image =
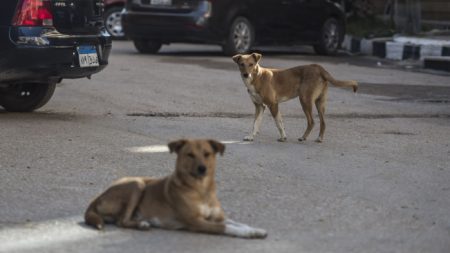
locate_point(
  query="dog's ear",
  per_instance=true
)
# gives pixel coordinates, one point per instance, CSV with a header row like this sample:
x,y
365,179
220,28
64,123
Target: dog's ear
x,y
217,146
236,58
175,146
256,56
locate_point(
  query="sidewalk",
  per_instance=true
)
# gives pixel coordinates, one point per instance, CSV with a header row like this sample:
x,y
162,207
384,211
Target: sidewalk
x,y
433,51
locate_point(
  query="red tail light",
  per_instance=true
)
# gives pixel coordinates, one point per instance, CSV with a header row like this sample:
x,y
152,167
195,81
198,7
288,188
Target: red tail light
x,y
33,13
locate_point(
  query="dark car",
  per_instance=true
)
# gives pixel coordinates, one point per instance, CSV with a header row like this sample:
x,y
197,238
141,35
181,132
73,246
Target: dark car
x,y
44,41
236,25
112,16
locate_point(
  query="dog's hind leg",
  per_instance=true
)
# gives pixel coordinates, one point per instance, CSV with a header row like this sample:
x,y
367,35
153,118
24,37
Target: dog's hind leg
x,y
126,220
307,108
278,121
93,218
320,105
259,112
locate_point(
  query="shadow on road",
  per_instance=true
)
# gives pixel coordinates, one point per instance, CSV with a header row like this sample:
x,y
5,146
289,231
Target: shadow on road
x,y
39,115
408,93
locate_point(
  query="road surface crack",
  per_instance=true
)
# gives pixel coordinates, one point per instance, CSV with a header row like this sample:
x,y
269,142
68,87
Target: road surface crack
x,y
249,115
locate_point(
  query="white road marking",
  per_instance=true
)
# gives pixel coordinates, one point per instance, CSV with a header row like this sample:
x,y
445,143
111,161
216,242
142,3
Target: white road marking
x,y
234,142
165,149
41,234
149,149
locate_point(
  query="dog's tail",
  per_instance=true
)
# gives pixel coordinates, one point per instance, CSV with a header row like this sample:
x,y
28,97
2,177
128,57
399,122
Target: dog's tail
x,y
92,218
325,75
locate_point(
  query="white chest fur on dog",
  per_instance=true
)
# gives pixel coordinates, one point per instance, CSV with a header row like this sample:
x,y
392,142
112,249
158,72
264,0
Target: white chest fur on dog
x,y
158,223
207,211
256,98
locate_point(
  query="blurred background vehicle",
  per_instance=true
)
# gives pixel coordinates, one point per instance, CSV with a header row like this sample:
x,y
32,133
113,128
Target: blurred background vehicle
x,y
112,17
44,41
236,25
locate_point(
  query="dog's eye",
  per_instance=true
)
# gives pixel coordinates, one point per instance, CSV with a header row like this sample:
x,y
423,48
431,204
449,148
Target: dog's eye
x,y
191,155
251,65
207,154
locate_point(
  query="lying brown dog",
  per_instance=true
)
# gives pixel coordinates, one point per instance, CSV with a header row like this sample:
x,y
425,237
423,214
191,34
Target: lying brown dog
x,y
184,200
272,86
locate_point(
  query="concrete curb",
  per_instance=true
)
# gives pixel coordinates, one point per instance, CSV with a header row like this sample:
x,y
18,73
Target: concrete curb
x,y
437,63
434,53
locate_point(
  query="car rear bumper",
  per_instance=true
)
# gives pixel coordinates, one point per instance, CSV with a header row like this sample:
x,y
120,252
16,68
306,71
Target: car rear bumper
x,y
48,63
166,28
37,57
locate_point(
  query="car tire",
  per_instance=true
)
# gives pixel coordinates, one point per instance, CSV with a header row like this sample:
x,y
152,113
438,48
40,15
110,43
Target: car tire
x,y
113,22
26,97
330,38
240,38
147,46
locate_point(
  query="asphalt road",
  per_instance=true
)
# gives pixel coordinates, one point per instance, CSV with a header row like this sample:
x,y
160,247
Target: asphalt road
x,y
380,182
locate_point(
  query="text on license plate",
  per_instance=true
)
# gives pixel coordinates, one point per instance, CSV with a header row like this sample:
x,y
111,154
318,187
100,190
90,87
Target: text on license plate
x,y
88,56
161,2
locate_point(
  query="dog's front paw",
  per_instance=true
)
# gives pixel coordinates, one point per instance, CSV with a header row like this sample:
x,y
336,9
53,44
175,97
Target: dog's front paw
x,y
318,140
144,225
257,233
244,231
248,138
301,139
282,139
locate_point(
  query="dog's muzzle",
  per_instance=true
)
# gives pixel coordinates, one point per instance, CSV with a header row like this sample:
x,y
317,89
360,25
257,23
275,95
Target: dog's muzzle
x,y
246,75
201,170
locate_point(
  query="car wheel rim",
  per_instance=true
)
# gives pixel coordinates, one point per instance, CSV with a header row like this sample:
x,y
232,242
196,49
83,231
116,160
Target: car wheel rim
x,y
114,24
242,37
331,36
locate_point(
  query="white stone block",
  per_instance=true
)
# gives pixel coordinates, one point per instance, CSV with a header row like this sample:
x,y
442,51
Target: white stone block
x,y
430,50
394,50
366,47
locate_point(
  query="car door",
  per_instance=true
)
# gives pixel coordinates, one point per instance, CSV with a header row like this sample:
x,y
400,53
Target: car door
x,y
271,22
306,18
6,14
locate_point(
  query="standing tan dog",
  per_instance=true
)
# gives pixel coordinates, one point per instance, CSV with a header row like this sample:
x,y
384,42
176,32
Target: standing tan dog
x,y
272,86
184,200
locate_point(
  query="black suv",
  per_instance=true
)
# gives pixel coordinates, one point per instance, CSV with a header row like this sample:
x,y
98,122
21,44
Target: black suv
x,y
237,25
45,41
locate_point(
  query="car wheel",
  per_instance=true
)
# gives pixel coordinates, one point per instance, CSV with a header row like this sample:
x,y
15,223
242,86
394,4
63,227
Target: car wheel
x,y
26,97
147,46
240,38
330,38
113,22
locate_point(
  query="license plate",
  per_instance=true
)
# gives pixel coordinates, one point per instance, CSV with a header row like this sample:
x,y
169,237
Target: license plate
x,y
160,2
88,56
